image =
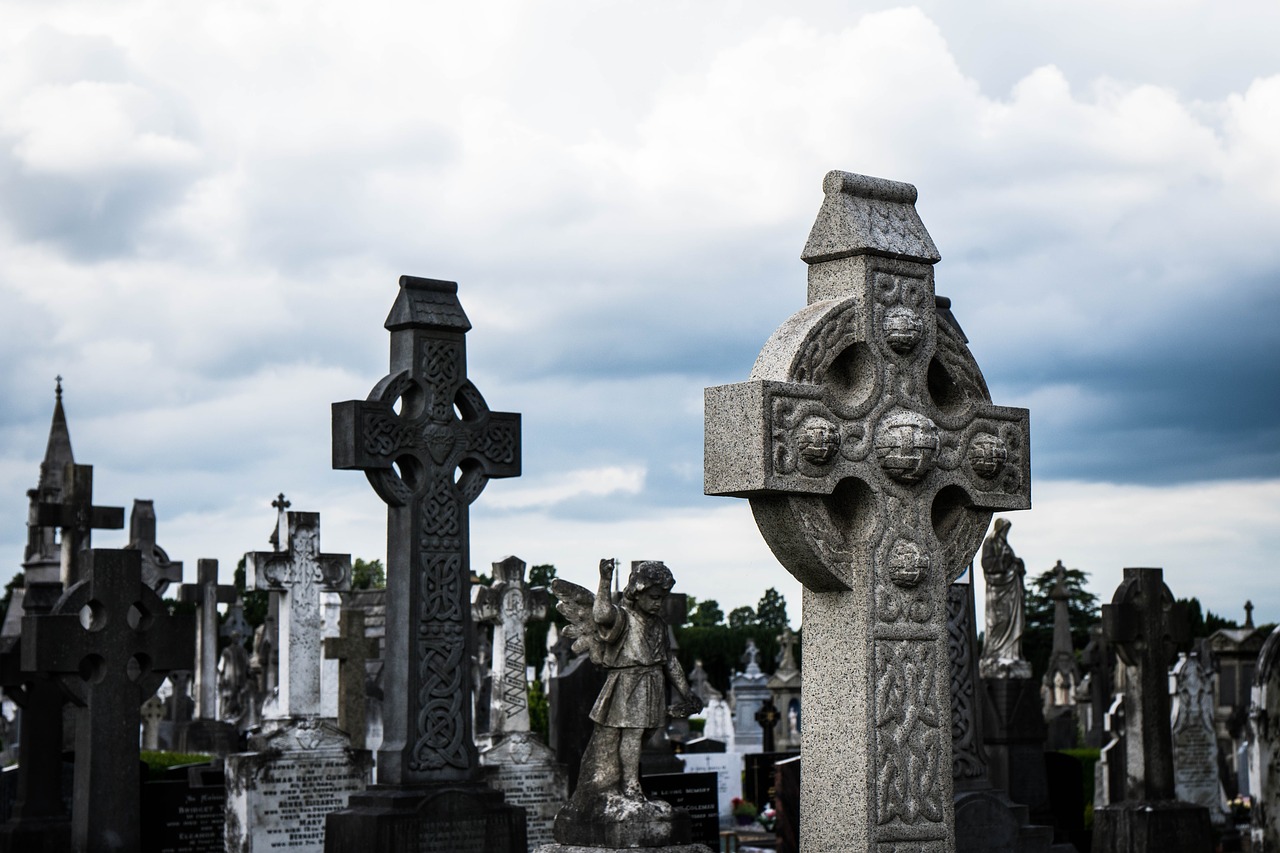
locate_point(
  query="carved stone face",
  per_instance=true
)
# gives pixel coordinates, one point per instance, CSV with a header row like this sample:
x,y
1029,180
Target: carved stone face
x,y
650,601
817,440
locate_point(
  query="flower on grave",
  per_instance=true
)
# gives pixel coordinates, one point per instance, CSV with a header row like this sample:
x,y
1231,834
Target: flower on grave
x,y
768,818
1240,808
743,808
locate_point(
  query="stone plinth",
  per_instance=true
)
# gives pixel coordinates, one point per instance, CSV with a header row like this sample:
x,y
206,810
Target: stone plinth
x,y
526,771
437,819
1159,827
572,848
1014,735
279,798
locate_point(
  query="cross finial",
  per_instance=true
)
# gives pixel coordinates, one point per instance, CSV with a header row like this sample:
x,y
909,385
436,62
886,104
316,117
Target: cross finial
x,y
1248,614
58,390
280,505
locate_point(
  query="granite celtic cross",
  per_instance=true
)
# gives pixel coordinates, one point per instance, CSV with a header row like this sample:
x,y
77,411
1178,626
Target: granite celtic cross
x,y
509,605
867,444
428,443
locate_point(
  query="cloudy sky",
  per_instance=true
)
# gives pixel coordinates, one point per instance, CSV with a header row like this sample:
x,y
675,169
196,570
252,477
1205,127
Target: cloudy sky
x,y
204,209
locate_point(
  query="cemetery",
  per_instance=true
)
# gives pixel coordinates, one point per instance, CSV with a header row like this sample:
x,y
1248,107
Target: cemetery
x,y
317,704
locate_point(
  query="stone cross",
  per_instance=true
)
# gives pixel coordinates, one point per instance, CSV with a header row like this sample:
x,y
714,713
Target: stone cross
x,y
873,459
787,651
428,443
767,718
180,705
158,571
78,518
351,648
299,574
1145,626
280,505
509,605
235,627
152,713
112,641
206,593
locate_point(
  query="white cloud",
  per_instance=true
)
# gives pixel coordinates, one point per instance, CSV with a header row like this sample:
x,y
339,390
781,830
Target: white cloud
x,y
586,482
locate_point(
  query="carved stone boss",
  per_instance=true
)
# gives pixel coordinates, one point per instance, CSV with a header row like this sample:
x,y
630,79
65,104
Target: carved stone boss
x,y
509,605
428,443
873,459
300,574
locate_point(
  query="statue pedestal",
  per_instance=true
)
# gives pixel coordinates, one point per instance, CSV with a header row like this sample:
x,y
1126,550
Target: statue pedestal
x,y
1014,733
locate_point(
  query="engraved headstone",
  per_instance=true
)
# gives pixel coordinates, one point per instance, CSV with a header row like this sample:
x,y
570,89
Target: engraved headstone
x,y
428,444
1195,745
728,769
185,811
867,444
302,769
111,641
1145,625
516,762
695,793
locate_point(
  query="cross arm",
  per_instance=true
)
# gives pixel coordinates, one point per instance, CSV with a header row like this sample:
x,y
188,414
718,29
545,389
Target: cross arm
x,y
496,442
539,602
486,604
739,439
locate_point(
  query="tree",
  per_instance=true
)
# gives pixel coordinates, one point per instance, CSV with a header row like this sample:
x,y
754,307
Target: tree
x,y
771,612
1082,612
706,614
255,601
368,575
741,618
18,581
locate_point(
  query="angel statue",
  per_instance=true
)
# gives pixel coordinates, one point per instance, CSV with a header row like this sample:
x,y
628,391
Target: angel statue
x,y
629,640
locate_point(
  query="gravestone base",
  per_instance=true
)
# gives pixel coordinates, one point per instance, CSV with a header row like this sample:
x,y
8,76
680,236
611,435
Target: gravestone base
x,y
614,822
278,798
1014,734
36,835
988,822
1168,827
526,772
208,737
461,818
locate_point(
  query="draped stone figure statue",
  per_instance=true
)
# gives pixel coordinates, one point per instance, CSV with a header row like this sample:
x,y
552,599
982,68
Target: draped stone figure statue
x,y
1006,607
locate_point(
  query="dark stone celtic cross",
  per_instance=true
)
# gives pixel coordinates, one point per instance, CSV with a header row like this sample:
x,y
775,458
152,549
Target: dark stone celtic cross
x,y
111,641
873,458
428,444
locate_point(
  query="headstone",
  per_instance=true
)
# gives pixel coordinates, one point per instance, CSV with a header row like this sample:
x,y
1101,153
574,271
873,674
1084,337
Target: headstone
x,y
1195,746
757,776
111,641
515,761
1058,686
872,457
1144,624
236,691
206,732
352,649
785,685
280,795
152,714
185,811
767,718
1109,773
158,571
728,769
750,690
1097,659
694,793
1264,755
573,692
786,783
720,723
428,443
986,819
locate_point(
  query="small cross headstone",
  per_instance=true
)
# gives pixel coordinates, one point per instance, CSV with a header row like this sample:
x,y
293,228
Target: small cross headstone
x,y
152,715
78,518
868,447
1195,741
299,574
509,605
111,641
428,443
158,571
206,593
351,648
1145,626
767,718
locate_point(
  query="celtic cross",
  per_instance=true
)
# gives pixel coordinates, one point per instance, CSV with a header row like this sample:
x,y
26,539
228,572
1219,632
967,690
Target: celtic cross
x,y
867,444
428,443
78,518
299,574
509,605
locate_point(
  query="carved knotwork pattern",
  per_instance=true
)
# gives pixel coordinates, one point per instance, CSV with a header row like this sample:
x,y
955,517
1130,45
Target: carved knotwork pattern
x,y
441,650
440,512
966,757
441,370
497,442
822,348
516,614
909,745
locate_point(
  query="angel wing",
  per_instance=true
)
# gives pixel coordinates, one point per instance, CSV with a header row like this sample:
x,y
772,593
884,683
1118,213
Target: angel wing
x,y
576,603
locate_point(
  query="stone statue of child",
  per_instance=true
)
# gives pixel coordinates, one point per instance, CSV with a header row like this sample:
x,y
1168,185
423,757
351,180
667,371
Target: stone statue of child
x,y
1006,610
629,639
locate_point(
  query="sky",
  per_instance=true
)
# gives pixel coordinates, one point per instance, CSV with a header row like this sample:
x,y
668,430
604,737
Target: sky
x,y
205,208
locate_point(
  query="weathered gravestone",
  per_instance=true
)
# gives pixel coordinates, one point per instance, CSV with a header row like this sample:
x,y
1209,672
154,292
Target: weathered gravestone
x,y
867,444
279,796
158,571
111,641
352,650
152,713
1195,745
1145,625
750,690
1264,753
698,757
185,811
694,793
428,443
206,733
987,820
515,761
